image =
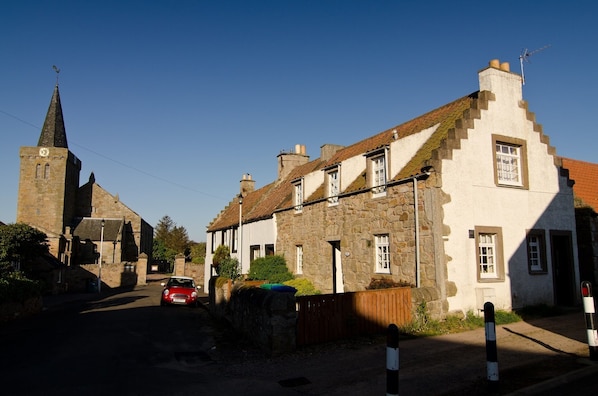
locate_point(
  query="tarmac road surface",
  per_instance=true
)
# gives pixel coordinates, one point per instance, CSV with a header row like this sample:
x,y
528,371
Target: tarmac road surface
x,y
124,343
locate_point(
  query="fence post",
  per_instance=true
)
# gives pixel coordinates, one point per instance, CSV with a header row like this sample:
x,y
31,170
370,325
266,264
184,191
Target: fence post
x,y
491,353
392,360
590,313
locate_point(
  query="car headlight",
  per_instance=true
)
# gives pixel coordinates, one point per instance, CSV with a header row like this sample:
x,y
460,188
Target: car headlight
x,y
194,294
165,292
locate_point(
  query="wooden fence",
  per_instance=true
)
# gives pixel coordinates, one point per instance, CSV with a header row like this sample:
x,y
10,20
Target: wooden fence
x,y
330,317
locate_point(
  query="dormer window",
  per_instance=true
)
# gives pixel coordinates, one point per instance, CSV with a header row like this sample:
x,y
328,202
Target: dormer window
x,y
377,171
298,196
379,174
333,186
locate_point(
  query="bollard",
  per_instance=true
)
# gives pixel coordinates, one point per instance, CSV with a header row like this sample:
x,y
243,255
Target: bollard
x,y
491,353
590,312
392,361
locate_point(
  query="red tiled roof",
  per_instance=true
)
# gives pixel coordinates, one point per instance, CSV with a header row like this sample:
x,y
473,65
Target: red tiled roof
x,y
585,175
262,203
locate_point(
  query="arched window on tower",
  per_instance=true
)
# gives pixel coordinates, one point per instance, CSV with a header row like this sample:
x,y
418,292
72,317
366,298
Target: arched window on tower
x,y
38,171
47,171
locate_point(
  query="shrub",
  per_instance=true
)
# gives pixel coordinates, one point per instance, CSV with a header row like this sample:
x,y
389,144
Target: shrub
x,y
16,288
304,287
221,253
271,268
229,268
385,283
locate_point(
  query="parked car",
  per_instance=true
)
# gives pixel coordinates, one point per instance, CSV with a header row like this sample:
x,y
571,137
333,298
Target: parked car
x,y
180,290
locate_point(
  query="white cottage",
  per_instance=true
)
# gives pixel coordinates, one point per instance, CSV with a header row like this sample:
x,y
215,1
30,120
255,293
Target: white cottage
x,y
467,203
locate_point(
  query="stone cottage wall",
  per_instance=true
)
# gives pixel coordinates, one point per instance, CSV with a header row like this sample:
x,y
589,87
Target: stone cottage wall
x,y
354,222
268,318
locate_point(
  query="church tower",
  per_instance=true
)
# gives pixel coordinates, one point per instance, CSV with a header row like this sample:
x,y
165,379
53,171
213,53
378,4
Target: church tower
x,y
49,181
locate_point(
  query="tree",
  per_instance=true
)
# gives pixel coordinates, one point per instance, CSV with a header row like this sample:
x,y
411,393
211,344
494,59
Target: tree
x,y
20,243
161,252
169,240
198,252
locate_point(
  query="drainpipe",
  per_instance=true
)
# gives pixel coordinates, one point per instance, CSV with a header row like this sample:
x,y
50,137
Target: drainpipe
x,y
417,261
416,201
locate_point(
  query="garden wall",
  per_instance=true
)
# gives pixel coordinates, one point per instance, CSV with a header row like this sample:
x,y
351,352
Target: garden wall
x,y
268,318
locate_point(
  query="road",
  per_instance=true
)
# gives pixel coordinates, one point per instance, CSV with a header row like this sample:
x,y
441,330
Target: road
x,y
126,344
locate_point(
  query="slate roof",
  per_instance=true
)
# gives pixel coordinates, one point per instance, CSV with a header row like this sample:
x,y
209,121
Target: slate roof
x,y
585,175
53,132
91,228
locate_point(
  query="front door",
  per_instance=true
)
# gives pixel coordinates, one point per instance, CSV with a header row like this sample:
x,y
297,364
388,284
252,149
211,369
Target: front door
x,y
337,268
562,267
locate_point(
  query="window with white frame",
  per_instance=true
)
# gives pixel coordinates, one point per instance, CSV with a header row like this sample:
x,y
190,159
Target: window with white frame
x,y
489,254
254,252
235,239
510,161
379,174
333,187
299,254
382,254
214,243
536,252
298,201
508,164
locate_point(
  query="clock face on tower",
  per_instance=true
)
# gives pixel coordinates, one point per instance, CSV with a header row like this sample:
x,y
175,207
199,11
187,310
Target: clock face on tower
x,y
44,152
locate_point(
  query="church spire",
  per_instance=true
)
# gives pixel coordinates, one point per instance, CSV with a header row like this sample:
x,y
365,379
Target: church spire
x,y
53,133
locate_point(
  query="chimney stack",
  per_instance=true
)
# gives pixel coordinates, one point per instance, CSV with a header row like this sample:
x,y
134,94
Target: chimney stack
x,y
247,184
498,79
289,161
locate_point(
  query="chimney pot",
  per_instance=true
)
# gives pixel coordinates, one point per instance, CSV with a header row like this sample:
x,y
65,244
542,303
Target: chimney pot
x,y
495,63
505,66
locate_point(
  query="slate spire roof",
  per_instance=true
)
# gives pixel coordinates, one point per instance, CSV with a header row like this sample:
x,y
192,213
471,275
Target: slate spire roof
x,y
53,132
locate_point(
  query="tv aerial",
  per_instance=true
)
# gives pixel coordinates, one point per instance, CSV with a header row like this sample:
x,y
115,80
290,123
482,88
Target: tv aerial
x,y
524,57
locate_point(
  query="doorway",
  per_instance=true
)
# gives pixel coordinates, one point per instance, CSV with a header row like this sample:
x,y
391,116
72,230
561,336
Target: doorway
x,y
337,268
562,268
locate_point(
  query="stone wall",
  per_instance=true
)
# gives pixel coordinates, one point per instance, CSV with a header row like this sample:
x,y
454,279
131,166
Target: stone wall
x,y
354,224
186,268
13,310
114,275
268,318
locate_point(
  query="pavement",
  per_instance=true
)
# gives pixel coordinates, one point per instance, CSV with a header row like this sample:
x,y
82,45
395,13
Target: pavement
x,y
547,356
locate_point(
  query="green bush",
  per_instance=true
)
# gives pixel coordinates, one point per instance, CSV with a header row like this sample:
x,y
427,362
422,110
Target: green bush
x,y
14,287
229,268
271,268
304,287
386,283
221,253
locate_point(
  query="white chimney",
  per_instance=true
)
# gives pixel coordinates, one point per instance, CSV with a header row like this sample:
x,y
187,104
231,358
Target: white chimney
x,y
498,79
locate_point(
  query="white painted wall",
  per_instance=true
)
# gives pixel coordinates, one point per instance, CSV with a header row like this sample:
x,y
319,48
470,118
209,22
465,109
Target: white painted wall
x,y
260,233
477,201
401,151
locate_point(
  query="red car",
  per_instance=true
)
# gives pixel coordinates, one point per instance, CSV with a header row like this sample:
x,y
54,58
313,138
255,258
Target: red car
x,y
180,290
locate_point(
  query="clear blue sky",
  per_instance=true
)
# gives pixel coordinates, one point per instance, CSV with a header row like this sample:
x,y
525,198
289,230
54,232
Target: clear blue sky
x,y
169,103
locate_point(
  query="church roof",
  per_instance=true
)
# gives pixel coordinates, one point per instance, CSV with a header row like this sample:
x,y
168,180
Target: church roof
x,y
53,132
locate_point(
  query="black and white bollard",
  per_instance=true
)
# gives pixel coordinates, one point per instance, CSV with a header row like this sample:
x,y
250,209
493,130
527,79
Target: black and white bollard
x,y
590,312
392,361
491,353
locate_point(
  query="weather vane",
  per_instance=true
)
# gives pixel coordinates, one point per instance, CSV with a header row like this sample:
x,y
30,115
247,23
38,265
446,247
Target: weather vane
x,y
525,54
57,70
